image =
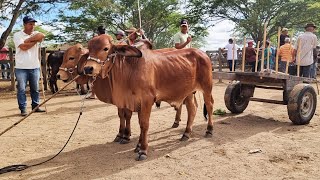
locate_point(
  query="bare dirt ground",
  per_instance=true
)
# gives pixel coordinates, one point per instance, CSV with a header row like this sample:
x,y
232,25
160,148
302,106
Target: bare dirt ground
x,y
285,151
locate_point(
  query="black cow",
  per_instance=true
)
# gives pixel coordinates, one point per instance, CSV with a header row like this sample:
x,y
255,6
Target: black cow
x,y
54,61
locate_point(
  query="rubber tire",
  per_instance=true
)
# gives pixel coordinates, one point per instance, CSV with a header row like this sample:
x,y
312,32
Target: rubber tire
x,y
295,102
230,98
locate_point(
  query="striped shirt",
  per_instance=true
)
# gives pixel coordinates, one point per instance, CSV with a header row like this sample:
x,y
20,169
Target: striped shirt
x,y
285,52
308,41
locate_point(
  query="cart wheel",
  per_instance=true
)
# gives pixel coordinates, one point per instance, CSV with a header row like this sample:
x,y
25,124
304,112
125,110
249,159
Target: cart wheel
x,y
234,99
302,104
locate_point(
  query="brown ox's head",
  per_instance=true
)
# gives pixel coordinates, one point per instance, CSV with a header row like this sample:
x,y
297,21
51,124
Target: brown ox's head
x,y
102,54
71,58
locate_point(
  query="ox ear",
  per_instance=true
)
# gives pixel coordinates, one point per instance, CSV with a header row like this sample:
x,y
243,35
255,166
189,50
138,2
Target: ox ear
x,y
81,63
126,50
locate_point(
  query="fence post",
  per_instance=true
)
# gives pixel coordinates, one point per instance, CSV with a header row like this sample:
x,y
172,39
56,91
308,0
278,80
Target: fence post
x,y
12,63
220,64
44,67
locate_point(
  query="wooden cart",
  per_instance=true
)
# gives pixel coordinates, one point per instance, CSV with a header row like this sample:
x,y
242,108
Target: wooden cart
x,y
299,96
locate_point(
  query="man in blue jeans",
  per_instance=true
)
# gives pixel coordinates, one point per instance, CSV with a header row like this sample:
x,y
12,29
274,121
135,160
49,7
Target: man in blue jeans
x,y
27,66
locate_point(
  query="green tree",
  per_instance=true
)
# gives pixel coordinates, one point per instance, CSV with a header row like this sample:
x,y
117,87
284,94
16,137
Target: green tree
x,y
251,15
11,10
159,19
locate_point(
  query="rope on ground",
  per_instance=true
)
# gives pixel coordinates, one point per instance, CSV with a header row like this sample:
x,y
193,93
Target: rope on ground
x,y
20,167
18,122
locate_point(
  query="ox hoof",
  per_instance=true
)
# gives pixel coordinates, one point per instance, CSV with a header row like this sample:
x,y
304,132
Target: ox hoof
x,y
185,137
175,125
137,149
141,156
117,139
208,134
125,140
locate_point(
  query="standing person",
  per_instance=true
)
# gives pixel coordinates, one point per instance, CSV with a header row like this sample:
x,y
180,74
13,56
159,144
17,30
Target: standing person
x,y
101,30
232,53
308,41
5,66
283,36
286,52
27,66
134,35
315,62
182,39
119,38
268,52
251,56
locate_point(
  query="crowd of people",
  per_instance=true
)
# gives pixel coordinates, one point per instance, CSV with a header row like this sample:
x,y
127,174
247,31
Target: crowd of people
x,y
304,52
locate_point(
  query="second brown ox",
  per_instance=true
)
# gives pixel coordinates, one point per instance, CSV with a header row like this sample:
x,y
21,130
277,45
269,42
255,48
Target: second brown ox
x,y
140,77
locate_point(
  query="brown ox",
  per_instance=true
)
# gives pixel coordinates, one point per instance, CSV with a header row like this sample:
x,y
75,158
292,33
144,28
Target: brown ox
x,y
139,77
68,71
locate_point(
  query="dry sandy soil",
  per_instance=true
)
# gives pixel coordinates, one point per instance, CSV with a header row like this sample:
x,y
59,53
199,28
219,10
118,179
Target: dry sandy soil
x,y
285,151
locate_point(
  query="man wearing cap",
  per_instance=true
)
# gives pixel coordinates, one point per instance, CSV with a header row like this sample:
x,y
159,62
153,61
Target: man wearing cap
x,y
27,66
307,41
283,35
182,39
119,38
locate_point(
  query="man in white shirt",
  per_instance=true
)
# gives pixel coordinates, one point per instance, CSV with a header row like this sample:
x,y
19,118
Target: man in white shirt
x,y
232,53
182,39
308,41
27,65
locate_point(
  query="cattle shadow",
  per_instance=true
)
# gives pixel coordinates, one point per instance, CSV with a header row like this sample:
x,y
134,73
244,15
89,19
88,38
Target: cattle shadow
x,y
103,160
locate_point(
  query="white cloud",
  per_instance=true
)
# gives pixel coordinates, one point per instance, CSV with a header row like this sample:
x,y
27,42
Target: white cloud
x,y
219,35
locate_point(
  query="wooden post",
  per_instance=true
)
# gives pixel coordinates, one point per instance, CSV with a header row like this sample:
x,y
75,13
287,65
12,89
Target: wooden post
x,y
44,68
278,49
42,75
243,53
298,57
220,63
287,64
268,57
257,57
264,45
233,49
12,87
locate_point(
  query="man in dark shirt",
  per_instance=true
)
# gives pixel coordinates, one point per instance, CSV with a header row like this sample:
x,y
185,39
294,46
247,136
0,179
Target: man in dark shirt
x,y
283,36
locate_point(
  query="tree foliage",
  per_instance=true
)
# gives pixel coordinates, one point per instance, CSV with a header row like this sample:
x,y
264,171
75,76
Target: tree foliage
x,y
250,15
159,19
11,10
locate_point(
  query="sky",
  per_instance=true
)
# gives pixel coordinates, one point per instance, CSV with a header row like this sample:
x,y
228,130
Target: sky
x,y
217,38
219,35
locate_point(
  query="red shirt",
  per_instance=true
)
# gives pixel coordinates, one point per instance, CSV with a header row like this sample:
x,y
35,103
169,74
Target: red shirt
x,y
250,54
4,56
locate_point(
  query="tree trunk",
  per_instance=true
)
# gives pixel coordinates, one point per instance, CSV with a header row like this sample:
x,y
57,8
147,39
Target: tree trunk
x,y
16,13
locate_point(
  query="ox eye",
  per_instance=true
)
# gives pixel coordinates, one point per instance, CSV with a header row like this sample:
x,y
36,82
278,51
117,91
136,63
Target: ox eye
x,y
105,49
71,58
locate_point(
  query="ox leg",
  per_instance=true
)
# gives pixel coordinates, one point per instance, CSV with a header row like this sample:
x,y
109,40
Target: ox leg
x,y
127,130
121,114
56,85
51,85
208,100
82,89
191,108
144,116
178,117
